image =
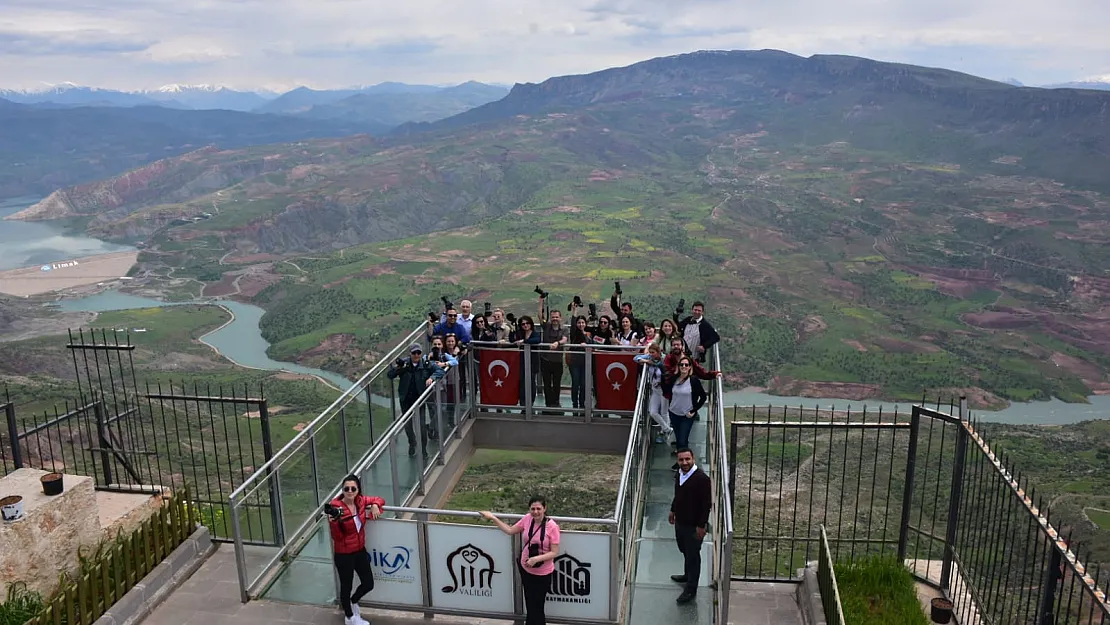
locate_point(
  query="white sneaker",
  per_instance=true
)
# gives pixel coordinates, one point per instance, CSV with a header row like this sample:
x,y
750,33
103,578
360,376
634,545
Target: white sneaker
x,y
358,620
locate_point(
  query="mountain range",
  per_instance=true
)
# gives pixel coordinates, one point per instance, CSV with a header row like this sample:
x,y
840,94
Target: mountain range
x,y
859,227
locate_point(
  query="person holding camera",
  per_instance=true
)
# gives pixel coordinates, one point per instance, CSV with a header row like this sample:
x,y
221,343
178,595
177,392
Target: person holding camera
x,y
624,309
526,334
554,337
413,374
699,334
451,325
347,517
541,547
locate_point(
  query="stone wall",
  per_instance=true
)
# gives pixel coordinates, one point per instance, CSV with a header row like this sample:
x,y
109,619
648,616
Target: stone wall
x,y
44,544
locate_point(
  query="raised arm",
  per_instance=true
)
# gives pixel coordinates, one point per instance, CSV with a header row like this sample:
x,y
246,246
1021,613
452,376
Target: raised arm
x,y
511,530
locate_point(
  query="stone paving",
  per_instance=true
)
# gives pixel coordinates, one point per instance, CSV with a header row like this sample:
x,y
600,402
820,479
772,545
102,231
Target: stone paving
x,y
211,597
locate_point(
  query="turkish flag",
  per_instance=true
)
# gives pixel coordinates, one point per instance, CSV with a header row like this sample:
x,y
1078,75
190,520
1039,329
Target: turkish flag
x,y
499,376
615,379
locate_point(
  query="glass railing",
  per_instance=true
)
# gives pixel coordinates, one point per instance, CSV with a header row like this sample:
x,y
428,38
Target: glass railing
x,y
721,473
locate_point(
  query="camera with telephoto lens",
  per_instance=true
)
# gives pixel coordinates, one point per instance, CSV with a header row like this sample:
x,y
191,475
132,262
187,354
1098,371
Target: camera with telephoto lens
x,y
542,293
593,311
489,308
332,511
617,284
447,304
681,306
577,302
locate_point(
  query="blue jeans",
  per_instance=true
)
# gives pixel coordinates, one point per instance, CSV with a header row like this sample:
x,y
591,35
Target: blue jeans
x,y
681,424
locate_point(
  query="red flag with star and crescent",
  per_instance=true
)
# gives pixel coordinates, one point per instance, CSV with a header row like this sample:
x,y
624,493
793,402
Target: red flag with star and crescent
x,y
499,376
615,379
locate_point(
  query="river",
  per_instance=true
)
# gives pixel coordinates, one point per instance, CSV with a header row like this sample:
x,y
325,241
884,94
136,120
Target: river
x,y
241,342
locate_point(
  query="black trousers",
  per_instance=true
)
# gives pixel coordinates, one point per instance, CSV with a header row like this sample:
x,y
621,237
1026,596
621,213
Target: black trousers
x,y
551,371
535,596
348,564
410,429
690,545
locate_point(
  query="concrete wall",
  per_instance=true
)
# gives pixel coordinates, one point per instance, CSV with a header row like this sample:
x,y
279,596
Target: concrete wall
x,y
39,548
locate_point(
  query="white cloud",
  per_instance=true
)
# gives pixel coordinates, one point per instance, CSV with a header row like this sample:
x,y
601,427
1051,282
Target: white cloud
x,y
247,43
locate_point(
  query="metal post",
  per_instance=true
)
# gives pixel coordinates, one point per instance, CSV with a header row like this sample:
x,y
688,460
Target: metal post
x,y
394,478
518,582
588,382
370,409
528,382
1048,584
954,499
615,570
240,556
315,467
102,434
13,434
439,418
343,436
272,475
907,493
425,561
734,436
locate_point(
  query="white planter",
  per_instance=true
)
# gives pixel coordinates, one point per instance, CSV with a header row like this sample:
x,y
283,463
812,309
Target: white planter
x,y
11,508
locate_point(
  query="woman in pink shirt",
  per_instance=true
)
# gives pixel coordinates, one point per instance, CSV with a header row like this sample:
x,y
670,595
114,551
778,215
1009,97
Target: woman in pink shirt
x,y
541,547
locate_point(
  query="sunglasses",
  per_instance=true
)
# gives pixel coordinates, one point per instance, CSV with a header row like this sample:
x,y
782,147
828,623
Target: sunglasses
x,y
350,489
684,364
417,352
453,315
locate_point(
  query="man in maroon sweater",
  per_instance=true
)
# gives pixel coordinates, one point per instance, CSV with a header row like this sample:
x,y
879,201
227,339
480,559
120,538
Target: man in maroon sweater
x,y
693,498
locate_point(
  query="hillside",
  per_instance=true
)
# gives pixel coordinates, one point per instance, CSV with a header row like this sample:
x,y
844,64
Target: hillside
x,y
387,110
858,228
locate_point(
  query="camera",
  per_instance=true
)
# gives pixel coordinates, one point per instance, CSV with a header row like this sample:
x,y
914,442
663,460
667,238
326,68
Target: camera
x,y
400,362
432,316
542,293
534,551
617,284
446,302
511,318
332,511
489,309
577,302
681,306
593,311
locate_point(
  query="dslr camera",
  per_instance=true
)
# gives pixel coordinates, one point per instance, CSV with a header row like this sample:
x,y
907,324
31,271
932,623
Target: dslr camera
x,y
593,312
511,318
542,293
534,552
332,511
489,309
681,306
432,316
577,302
617,284
446,302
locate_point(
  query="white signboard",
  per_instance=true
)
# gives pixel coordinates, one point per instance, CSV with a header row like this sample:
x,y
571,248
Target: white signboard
x,y
471,567
395,560
580,583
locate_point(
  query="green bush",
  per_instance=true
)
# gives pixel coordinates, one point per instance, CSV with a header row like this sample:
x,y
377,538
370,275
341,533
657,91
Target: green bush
x,y
878,591
21,605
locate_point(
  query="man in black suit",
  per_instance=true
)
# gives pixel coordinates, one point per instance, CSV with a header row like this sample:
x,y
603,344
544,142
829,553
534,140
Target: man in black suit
x,y
693,498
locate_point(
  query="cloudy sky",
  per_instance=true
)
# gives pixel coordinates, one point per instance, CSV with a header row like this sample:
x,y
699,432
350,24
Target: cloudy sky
x,y
278,44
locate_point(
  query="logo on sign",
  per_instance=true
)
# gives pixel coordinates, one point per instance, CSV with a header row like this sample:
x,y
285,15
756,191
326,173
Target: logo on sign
x,y
45,268
471,571
571,581
393,562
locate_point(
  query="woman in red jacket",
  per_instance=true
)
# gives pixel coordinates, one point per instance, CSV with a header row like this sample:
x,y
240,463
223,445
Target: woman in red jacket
x,y
348,514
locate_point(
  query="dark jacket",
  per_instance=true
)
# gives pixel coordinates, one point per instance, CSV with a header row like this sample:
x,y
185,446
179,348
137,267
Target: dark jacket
x,y
458,329
697,391
637,324
345,536
693,500
409,374
707,336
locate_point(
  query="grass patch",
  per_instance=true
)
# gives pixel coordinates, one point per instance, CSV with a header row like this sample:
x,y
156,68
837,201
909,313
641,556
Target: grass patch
x,y
878,591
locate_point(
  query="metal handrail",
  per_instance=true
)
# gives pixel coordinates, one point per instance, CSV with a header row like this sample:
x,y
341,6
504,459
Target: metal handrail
x,y
508,515
722,445
547,346
637,417
347,395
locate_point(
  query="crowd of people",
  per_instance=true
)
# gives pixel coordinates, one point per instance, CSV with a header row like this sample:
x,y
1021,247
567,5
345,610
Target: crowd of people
x,y
674,352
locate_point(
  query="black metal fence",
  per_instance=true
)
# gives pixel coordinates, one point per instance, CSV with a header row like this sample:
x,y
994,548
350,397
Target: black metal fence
x,y
148,439
922,486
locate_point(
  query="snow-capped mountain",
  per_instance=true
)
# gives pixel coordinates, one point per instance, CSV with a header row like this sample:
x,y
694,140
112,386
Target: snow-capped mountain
x,y
1102,84
170,96
207,97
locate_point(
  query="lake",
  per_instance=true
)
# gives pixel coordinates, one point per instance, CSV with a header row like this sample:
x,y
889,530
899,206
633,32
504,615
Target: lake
x,y
30,243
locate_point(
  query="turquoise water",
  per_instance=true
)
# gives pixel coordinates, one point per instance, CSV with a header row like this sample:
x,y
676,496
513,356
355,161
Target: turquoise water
x,y
32,243
241,342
